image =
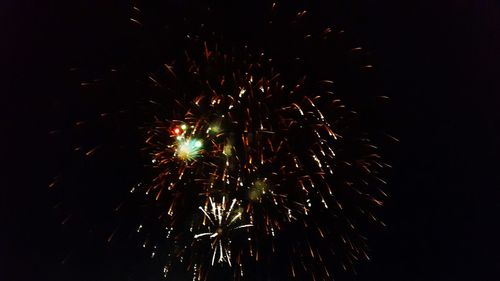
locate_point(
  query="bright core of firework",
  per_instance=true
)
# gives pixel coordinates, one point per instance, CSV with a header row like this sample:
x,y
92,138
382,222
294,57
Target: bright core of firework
x,y
188,149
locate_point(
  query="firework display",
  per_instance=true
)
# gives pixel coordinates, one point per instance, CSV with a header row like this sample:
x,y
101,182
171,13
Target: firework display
x,y
258,171
254,171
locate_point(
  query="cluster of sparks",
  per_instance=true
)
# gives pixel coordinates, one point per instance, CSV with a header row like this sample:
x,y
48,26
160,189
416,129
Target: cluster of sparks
x,y
253,170
222,219
256,170
272,149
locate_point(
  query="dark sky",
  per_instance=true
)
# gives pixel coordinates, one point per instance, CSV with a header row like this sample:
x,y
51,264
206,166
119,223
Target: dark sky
x,y
437,60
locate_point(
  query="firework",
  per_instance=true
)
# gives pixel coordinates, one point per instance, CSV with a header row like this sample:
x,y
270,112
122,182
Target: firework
x,y
258,170
282,148
223,221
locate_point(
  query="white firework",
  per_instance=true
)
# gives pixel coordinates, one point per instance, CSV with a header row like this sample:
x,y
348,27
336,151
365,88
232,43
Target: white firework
x,y
223,218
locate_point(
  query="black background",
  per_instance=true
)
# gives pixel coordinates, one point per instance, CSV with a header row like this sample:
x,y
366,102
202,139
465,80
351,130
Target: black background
x,y
437,60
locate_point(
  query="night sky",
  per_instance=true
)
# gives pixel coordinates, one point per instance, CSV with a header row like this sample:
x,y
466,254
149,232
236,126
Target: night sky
x,y
437,61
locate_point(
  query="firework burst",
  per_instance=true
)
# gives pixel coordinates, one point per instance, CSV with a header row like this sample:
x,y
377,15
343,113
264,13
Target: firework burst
x,y
230,122
281,148
223,221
